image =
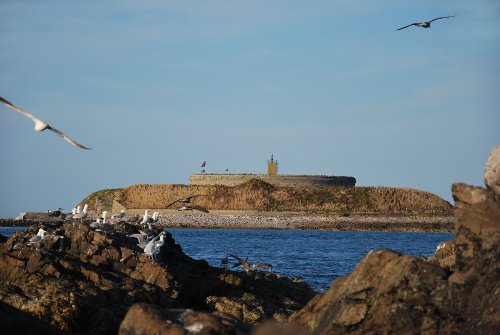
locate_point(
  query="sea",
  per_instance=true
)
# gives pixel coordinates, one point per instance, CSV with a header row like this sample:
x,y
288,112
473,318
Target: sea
x,y
317,257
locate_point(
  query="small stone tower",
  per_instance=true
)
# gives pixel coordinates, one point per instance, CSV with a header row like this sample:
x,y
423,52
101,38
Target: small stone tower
x,y
272,166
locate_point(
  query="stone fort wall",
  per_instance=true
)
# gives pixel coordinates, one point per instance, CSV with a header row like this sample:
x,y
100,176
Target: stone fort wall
x,y
276,180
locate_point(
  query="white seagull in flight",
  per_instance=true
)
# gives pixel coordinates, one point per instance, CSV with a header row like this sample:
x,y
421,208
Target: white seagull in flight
x,y
425,24
40,125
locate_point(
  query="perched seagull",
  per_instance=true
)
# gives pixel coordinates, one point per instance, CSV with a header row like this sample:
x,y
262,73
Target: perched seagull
x,y
186,200
425,24
96,224
40,125
190,208
38,238
83,214
99,222
155,217
119,215
145,218
70,215
153,247
147,231
56,213
245,266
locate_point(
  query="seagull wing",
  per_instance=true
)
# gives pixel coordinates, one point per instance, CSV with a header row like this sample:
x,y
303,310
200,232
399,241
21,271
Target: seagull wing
x,y
199,208
442,17
237,258
262,265
197,195
60,133
9,104
172,203
407,26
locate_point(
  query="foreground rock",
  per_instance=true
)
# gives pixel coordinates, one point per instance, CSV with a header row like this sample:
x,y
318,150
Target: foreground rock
x,y
84,281
492,170
16,322
390,293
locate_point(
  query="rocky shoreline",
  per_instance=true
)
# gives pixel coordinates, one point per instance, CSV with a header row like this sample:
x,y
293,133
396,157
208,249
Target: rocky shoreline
x,y
84,280
429,223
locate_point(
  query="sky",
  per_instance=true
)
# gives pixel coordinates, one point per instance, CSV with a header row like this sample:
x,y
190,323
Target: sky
x,y
155,88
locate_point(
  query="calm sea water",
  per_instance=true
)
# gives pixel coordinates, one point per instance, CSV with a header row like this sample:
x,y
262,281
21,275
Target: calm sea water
x,y
317,257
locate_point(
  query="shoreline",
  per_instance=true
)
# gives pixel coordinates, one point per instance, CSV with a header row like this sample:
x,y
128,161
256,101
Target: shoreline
x,y
437,223
429,223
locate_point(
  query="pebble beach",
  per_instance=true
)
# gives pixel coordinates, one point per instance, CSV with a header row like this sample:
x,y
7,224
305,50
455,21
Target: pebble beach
x,y
438,223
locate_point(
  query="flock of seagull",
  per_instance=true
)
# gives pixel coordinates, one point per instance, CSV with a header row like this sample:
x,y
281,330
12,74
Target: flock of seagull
x,y
146,238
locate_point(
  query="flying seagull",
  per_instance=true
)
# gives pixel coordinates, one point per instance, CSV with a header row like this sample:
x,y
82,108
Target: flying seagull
x,y
186,200
245,266
40,125
425,24
190,208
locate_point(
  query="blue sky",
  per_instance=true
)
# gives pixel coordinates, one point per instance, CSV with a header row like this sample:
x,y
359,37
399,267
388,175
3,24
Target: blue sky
x,y
328,87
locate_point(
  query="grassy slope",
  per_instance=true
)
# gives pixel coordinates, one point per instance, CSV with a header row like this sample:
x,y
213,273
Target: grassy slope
x,y
258,195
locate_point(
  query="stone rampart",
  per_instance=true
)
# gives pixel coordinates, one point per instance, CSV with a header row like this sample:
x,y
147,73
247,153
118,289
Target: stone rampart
x,y
276,180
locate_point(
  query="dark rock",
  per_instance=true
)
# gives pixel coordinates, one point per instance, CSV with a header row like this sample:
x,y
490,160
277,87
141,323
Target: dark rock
x,y
16,322
275,328
150,319
390,293
84,281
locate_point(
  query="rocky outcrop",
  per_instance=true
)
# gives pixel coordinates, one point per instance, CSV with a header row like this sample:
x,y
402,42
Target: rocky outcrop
x,y
84,281
455,292
492,170
445,255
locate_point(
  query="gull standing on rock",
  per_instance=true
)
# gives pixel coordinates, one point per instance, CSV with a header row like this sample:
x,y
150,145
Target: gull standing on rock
x,y
100,222
154,218
83,214
153,247
145,218
120,215
40,125
426,24
70,215
56,213
39,237
147,231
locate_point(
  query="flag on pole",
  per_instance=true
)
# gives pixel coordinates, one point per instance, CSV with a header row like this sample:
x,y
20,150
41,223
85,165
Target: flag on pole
x,y
202,171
